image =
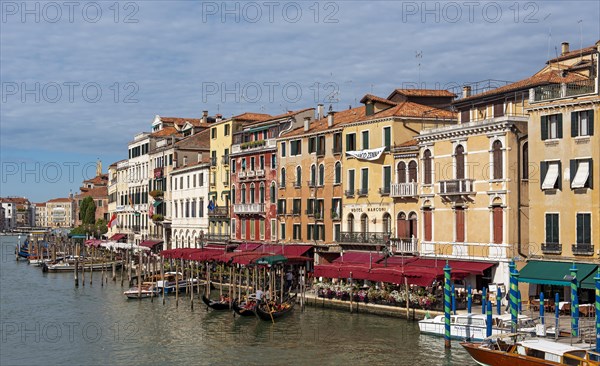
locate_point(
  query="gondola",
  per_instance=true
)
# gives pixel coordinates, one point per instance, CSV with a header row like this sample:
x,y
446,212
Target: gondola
x,y
270,312
214,304
246,308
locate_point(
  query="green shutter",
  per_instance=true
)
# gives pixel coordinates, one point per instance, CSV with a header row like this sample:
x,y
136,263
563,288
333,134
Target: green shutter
x,y
587,232
365,180
351,180
580,229
574,124
591,122
543,170
548,228
559,179
348,143
572,169
591,174
555,233
386,178
559,127
544,125
387,138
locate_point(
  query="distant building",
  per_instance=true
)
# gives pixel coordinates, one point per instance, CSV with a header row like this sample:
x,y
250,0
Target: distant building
x,y
1,218
97,189
41,219
17,212
60,212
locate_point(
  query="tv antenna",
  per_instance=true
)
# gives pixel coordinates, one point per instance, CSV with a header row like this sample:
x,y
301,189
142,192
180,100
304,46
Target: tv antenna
x,y
419,57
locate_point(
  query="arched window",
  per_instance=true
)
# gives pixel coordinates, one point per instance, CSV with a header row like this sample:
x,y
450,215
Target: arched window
x,y
338,172
497,157
427,167
243,194
261,193
412,225
401,225
364,223
252,193
401,173
298,176
350,223
412,171
233,199
459,156
282,178
387,223
525,161
313,175
273,198
321,175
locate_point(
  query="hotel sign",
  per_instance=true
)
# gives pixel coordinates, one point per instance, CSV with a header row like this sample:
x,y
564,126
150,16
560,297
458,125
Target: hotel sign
x,y
372,154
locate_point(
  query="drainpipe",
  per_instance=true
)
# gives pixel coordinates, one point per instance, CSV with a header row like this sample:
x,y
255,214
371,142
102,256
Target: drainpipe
x,y
519,244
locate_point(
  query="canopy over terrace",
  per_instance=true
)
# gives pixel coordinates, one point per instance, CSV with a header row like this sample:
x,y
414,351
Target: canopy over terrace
x,y
553,273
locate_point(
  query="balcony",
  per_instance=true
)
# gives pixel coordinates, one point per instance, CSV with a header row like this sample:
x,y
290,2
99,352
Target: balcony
x,y
456,187
253,145
557,91
219,211
551,248
217,237
362,192
296,211
249,208
404,246
225,159
385,191
404,190
297,185
242,175
250,174
281,211
135,228
318,215
364,238
582,249
349,193
260,172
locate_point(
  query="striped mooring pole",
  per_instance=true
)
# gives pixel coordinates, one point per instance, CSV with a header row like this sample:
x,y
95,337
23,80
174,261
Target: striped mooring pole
x,y
483,300
556,315
513,296
469,299
574,303
453,300
597,278
488,325
542,308
499,301
447,289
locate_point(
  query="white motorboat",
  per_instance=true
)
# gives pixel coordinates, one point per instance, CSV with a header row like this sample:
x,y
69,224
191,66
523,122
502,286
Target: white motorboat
x,y
147,290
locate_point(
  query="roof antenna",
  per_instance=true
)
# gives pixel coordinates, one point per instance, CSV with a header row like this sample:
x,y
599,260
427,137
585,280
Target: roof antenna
x,y
549,41
419,57
580,22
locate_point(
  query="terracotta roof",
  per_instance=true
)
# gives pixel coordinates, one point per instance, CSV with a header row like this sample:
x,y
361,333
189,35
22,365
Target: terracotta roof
x,y
165,131
423,93
96,192
200,140
572,54
250,116
412,142
181,121
42,204
375,98
15,200
99,179
550,77
59,200
280,116
205,159
416,110
340,118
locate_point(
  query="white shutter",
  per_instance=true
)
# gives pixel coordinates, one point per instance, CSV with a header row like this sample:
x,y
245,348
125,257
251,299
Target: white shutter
x,y
583,172
551,176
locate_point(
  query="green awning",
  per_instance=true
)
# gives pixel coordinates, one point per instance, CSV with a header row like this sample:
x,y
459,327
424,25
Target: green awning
x,y
156,203
553,273
271,260
590,282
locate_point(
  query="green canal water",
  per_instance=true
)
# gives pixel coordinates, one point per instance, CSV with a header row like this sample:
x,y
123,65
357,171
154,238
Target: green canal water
x,y
45,320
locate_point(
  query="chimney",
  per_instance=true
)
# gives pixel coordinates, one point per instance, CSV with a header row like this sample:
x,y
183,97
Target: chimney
x,y
218,117
466,91
319,111
185,160
204,116
564,48
306,123
330,119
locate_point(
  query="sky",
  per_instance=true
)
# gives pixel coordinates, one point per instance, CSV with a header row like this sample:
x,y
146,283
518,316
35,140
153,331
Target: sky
x,y
80,79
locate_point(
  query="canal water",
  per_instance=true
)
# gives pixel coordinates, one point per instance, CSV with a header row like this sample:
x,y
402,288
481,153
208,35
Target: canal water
x,y
45,320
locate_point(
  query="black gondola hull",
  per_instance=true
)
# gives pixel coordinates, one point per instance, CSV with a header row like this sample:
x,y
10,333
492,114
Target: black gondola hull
x,y
215,305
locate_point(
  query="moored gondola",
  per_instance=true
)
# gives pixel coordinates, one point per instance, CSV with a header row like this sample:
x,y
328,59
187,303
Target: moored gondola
x,y
245,308
269,311
222,304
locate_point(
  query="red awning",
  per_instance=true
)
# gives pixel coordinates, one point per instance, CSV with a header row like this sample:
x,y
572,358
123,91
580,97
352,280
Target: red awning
x,y
359,257
204,254
93,242
150,243
117,237
458,267
397,260
247,247
286,250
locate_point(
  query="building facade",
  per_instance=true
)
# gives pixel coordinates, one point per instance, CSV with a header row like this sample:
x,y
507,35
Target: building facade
x,y
41,219
61,212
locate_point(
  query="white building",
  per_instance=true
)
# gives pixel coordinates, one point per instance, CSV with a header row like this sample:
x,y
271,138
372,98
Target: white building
x,y
41,219
10,215
189,195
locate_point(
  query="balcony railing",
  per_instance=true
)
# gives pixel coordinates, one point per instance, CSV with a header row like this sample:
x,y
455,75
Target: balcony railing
x,y
582,249
297,184
314,213
551,248
219,211
217,237
281,211
564,90
249,208
349,193
296,211
384,191
260,172
213,161
362,191
404,246
400,190
241,175
225,160
135,228
250,173
364,238
456,186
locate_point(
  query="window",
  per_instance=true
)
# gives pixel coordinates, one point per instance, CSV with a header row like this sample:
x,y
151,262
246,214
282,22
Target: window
x,y
498,224
297,206
338,173
581,173
252,193
310,230
350,142
387,179
337,143
233,226
497,159
297,234
387,223
282,178
226,132
201,208
194,180
262,162
281,209
298,177
296,147
252,160
350,223
272,192
584,230
364,223
428,223
337,232
261,193
498,109
188,182
213,133
243,228
459,214
321,175
365,140
261,229
243,194
552,127
412,171
310,203
233,199
552,228
427,167
465,116
321,146
313,175
273,229
273,161
350,183
312,145
459,159
364,182
550,174
233,166
283,149
525,160
336,208
401,173
282,231
582,123
387,138
252,229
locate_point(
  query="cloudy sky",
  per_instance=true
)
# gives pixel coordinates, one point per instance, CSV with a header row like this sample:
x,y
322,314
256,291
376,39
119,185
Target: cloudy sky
x,y
80,79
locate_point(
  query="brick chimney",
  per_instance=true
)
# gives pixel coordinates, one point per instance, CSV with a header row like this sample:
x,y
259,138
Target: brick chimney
x,y
330,119
466,91
564,48
204,116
